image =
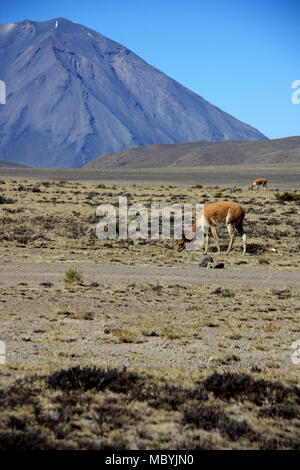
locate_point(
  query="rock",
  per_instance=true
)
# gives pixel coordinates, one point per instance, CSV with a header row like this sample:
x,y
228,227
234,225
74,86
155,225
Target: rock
x,y
218,265
205,260
210,265
46,284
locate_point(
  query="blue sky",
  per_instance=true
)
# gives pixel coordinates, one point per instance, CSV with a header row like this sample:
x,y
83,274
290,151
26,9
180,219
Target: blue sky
x,y
240,55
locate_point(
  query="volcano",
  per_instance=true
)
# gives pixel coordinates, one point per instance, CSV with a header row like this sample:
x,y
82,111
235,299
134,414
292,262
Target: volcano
x,y
73,94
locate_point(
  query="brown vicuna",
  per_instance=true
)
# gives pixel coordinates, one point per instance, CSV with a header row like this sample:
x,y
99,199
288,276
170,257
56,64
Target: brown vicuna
x,y
259,181
229,212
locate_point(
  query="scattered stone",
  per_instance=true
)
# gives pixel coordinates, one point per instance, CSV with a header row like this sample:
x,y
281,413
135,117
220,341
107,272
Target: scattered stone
x,y
223,292
218,265
36,189
282,294
94,284
47,285
205,260
89,316
4,200
212,265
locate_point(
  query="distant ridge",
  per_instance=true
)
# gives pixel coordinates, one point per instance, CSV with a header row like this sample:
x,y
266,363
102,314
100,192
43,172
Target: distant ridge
x,y
9,164
74,94
284,151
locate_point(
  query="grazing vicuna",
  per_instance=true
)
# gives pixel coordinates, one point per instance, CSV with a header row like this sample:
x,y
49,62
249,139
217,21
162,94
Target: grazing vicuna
x,y
258,182
233,214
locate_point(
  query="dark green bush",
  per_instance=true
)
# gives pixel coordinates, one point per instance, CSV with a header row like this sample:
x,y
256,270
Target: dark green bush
x,y
287,196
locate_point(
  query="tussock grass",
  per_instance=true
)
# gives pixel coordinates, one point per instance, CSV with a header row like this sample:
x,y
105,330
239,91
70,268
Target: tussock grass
x,y
287,196
73,277
111,408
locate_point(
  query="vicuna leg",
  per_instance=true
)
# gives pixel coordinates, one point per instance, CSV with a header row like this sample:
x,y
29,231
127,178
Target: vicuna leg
x,y
243,235
214,234
206,242
230,229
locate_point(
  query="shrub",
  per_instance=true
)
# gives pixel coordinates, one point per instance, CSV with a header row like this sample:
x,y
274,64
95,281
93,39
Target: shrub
x,y
236,190
263,261
287,196
73,276
4,200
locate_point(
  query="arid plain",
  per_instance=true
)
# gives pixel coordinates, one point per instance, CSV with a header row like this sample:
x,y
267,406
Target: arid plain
x,y
208,352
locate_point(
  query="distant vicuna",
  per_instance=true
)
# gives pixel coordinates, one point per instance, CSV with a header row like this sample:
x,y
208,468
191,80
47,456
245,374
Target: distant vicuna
x,y
233,214
259,181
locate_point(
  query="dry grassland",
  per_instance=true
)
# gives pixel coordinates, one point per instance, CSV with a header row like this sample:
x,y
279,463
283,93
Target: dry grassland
x,y
208,353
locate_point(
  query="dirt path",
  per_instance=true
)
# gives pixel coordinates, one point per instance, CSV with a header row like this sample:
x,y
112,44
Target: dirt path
x,y
34,273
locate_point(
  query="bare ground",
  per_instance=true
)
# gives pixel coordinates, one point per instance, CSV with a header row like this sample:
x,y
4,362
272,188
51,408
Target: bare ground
x,y
35,273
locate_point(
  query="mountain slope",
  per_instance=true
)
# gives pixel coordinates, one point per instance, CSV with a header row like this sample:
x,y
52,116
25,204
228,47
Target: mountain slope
x,y
10,164
73,94
284,151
